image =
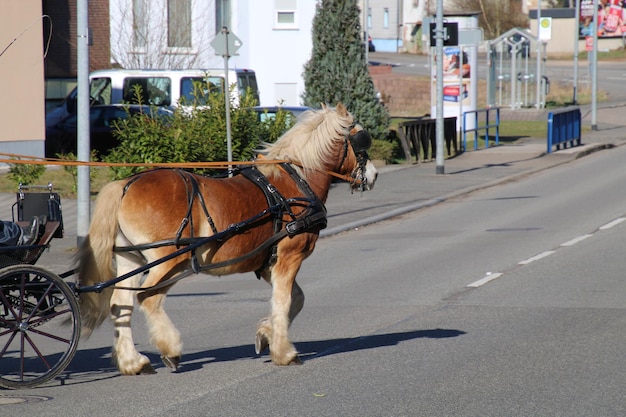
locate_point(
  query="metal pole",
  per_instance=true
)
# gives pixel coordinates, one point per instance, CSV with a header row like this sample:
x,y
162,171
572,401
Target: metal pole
x,y
576,37
594,69
229,145
538,71
82,113
439,68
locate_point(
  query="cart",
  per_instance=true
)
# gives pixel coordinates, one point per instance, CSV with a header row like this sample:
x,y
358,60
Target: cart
x,y
39,314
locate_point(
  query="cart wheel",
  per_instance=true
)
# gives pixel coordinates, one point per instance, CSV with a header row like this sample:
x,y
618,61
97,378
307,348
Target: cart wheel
x,y
39,326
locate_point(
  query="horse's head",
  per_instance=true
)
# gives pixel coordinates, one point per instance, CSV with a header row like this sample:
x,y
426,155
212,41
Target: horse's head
x,y
328,141
355,163
364,173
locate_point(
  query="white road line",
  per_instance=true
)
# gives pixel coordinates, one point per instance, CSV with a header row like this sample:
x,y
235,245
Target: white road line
x,y
576,240
613,223
537,257
488,278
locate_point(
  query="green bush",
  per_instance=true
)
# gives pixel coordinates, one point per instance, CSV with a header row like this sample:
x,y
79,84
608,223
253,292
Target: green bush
x,y
194,133
26,174
383,150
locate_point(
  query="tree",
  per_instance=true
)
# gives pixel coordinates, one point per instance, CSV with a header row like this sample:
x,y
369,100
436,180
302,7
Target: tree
x,y
147,35
496,16
337,71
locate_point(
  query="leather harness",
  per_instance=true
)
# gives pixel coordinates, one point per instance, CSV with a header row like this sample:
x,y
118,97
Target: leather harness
x,y
311,217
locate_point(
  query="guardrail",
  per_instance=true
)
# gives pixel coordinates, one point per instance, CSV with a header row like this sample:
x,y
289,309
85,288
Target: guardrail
x,y
420,134
564,126
477,129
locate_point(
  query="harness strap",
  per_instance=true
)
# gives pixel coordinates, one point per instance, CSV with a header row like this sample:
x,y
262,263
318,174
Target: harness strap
x,y
312,217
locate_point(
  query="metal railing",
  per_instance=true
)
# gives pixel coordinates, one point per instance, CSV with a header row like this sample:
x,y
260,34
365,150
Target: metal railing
x,y
564,127
420,134
479,128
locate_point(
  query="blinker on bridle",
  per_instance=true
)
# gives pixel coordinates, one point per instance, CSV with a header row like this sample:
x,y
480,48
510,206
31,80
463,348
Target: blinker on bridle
x,y
360,142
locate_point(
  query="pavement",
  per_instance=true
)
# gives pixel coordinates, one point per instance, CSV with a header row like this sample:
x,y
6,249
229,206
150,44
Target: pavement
x,y
408,187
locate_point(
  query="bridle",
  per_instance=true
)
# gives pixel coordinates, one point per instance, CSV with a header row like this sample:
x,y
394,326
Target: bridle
x,y
360,142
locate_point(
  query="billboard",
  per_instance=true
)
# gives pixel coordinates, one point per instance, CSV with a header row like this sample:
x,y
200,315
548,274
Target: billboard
x,y
611,18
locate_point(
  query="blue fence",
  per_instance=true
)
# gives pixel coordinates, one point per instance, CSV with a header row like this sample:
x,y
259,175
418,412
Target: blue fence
x,y
564,127
479,128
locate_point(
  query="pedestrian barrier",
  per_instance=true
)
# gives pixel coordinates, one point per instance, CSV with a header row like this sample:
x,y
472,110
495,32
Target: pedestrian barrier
x,y
564,126
479,128
420,135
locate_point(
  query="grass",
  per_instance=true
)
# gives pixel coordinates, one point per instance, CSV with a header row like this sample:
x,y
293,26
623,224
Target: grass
x,y
62,181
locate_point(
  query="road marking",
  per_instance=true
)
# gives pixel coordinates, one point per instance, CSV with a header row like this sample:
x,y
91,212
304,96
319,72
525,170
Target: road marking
x,y
613,223
490,277
537,257
576,240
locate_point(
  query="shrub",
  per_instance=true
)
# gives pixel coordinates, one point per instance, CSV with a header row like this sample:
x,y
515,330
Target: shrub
x,y
26,174
194,133
383,150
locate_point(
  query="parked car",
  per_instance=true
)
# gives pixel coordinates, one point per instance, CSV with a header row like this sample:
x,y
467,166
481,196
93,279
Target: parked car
x,y
163,88
265,112
61,138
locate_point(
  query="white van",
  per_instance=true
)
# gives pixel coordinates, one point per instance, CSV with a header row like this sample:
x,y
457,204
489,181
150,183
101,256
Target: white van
x,y
163,88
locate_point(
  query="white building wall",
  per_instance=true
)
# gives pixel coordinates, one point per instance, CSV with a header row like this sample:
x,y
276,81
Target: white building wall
x,y
278,54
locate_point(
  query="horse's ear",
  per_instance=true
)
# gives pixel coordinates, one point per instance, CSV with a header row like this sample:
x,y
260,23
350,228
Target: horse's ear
x,y
341,109
323,106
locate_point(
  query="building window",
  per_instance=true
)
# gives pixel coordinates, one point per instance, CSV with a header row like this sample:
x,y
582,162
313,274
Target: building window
x,y
179,23
369,17
140,25
222,15
386,18
285,14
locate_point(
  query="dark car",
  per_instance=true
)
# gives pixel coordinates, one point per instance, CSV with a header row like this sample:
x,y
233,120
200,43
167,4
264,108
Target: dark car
x,y
61,137
266,113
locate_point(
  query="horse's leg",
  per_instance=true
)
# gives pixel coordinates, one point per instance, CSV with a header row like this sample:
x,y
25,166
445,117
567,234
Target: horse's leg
x,y
287,301
125,356
264,328
163,333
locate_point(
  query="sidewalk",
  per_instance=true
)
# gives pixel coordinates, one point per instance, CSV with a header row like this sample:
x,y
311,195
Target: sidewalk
x,y
404,188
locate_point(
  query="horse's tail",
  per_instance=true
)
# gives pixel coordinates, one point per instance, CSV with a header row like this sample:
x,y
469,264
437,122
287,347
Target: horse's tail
x,y
95,256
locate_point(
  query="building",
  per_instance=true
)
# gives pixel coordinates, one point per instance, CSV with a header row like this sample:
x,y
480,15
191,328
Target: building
x,y
22,107
275,39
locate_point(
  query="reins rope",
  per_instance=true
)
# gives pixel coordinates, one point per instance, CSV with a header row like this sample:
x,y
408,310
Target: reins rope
x,y
36,160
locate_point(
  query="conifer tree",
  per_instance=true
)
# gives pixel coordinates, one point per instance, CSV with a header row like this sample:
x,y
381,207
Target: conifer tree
x,y
337,71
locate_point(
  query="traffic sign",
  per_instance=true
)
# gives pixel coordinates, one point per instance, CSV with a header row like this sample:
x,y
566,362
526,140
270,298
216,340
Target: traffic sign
x,y
226,43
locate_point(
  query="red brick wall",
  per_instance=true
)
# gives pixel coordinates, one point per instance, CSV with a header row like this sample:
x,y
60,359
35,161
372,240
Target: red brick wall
x,y
404,95
60,60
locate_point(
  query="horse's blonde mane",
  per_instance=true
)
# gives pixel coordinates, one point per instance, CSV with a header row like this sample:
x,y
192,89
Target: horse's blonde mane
x,y
310,142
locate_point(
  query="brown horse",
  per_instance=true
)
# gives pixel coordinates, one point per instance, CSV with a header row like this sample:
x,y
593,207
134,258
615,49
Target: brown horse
x,y
266,219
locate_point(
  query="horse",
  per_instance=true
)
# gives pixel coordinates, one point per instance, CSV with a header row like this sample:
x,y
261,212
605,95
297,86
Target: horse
x,y
264,218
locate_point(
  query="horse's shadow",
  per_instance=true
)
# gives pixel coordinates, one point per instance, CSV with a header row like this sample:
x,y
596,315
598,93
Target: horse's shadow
x,y
314,349
95,364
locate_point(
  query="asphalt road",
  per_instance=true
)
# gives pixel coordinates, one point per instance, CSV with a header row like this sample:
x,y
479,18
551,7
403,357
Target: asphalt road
x,y
504,302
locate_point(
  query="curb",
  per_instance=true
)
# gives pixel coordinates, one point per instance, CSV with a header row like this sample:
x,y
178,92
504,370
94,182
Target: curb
x,y
355,225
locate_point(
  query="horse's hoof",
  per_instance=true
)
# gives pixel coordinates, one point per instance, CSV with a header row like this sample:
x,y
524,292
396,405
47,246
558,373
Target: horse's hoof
x,y
296,361
147,369
260,343
171,362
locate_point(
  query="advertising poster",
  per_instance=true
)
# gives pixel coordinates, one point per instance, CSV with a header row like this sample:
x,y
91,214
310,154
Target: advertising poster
x,y
460,82
611,18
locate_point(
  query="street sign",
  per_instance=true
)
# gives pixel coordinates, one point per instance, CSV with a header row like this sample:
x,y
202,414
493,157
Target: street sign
x,y
226,43
450,34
